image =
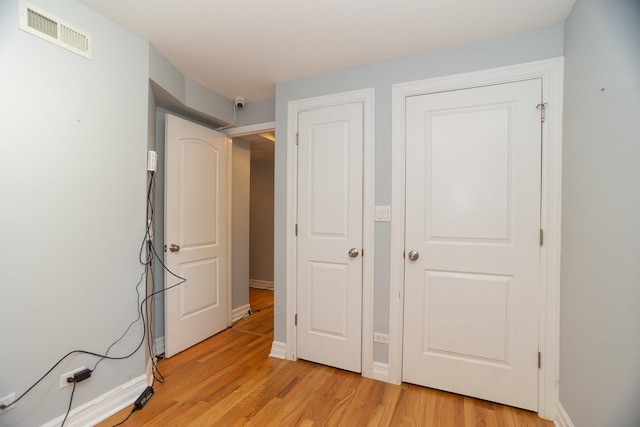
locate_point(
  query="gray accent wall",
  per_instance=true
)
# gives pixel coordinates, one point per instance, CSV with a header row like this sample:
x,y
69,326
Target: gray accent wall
x,y
240,205
261,265
525,47
73,187
600,287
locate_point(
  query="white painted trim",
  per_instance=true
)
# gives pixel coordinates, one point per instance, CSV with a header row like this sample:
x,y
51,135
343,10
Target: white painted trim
x,y
149,371
367,97
278,350
159,345
551,73
261,284
380,371
104,406
562,418
250,129
239,312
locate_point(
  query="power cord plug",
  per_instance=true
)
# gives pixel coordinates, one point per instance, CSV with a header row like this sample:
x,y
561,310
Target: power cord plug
x,y
80,376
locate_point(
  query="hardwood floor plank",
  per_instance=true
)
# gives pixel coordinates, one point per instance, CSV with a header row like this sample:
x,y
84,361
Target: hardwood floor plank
x,y
229,380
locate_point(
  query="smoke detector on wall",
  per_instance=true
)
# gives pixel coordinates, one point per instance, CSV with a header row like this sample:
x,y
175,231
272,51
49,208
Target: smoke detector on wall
x,y
54,30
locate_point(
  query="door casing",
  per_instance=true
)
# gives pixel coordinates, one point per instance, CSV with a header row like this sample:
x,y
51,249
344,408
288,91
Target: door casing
x,y
551,73
365,96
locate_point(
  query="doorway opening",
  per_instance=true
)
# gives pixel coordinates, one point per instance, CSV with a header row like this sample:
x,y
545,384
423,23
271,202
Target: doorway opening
x,y
252,192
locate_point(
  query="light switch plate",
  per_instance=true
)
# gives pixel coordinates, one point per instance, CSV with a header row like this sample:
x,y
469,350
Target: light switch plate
x,y
383,213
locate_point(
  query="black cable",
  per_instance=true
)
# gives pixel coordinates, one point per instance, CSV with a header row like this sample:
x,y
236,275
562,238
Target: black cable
x,y
146,263
102,356
70,402
125,420
142,276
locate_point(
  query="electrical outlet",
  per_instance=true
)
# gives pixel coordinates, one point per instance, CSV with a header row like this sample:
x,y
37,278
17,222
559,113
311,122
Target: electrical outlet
x,y
381,338
63,377
6,401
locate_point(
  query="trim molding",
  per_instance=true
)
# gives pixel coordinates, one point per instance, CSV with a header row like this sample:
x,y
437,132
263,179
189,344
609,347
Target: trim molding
x,y
278,350
239,312
367,97
103,406
562,418
261,284
551,73
380,371
250,129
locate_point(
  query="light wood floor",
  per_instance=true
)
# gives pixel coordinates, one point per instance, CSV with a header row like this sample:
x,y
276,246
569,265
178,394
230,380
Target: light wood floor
x,y
229,380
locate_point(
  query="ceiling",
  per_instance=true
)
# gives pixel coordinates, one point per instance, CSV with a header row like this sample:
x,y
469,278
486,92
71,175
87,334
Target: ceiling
x,y
244,47
262,145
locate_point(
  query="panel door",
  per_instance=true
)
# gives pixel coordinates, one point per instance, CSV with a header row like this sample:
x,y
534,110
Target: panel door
x,y
195,234
329,263
473,218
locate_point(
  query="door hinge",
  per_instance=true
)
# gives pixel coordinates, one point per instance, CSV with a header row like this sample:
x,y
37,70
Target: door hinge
x,y
297,138
295,320
165,248
296,229
539,360
541,237
542,107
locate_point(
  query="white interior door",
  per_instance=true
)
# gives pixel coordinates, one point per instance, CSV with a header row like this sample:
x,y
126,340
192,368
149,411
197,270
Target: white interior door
x,y
473,174
329,261
195,234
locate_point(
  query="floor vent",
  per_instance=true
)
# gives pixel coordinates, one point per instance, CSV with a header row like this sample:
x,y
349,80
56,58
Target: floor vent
x,y
54,30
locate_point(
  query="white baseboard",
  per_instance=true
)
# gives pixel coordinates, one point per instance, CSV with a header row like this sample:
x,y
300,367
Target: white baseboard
x,y
278,350
103,407
562,418
160,345
149,371
260,284
380,371
239,312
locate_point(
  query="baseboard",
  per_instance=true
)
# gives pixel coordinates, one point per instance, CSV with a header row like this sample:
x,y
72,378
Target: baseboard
x,y
149,371
159,345
562,418
103,407
239,312
260,284
278,350
380,371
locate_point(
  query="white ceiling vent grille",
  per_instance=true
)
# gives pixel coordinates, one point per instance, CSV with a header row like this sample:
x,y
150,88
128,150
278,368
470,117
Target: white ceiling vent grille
x,y
54,30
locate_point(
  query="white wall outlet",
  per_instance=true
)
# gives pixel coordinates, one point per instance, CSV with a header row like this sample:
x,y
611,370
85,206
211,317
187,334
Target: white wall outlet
x,y
381,338
7,400
63,377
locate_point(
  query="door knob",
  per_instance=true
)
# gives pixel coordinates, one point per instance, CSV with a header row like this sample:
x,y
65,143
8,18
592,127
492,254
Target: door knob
x,y
413,255
174,248
353,252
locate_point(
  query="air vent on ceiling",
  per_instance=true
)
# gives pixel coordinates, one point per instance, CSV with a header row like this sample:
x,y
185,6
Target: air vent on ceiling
x,y
54,30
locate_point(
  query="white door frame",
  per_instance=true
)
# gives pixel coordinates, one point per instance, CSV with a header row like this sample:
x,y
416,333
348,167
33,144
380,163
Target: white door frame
x,y
551,73
366,96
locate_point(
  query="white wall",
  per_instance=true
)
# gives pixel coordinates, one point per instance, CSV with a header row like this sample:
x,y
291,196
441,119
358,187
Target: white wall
x,y
524,47
600,288
73,135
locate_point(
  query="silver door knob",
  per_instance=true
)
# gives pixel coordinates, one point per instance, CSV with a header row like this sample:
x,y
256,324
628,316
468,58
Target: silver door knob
x,y
413,255
174,248
353,252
